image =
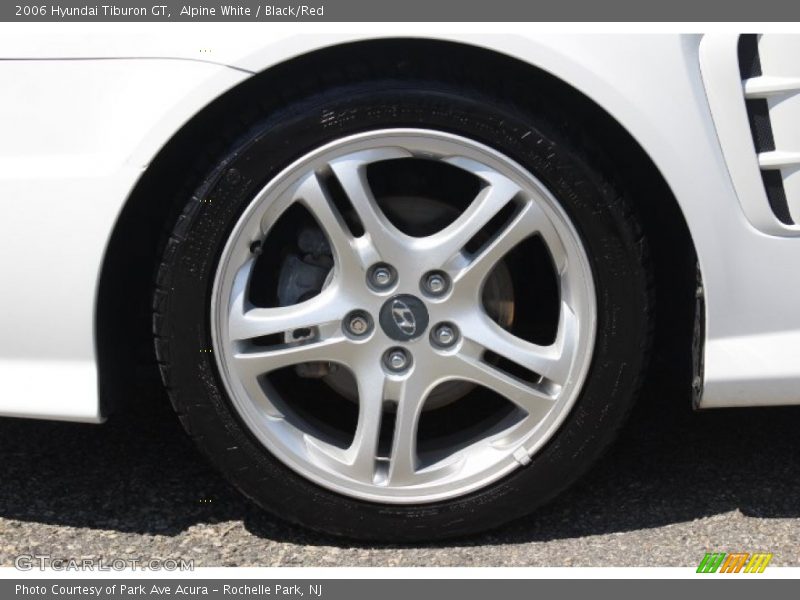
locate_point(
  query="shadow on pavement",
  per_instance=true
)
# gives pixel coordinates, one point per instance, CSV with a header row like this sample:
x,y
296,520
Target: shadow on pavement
x,y
139,473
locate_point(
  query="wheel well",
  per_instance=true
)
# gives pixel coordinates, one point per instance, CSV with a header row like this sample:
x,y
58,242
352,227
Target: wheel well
x,y
125,352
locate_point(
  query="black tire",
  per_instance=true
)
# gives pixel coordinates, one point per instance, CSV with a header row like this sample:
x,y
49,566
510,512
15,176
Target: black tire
x,y
542,143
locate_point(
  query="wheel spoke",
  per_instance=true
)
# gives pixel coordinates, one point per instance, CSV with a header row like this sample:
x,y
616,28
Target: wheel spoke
x,y
359,460
551,362
246,323
410,395
351,171
449,242
363,451
350,256
257,362
527,222
529,397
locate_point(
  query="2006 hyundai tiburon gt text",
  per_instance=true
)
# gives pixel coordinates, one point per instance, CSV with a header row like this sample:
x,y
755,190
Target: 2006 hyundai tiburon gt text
x,y
397,288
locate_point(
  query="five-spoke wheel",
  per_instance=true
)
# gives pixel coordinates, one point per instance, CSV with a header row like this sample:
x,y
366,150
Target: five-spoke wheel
x,y
404,314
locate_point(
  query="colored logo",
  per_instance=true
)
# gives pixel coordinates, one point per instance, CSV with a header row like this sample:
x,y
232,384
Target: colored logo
x,y
736,562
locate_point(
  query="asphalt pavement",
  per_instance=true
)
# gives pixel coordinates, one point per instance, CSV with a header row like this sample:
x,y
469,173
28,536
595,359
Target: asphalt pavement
x,y
677,484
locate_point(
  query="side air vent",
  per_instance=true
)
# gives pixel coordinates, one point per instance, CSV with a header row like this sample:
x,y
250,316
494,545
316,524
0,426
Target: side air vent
x,y
770,75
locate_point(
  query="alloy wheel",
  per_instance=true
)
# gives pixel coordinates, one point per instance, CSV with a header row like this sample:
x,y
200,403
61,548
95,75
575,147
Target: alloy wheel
x,y
403,316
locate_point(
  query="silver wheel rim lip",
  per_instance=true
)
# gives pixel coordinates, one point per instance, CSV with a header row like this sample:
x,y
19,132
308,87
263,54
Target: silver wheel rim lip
x,y
429,143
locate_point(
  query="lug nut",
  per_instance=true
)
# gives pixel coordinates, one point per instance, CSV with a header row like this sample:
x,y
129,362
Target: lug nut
x,y
444,335
436,283
381,276
396,359
358,323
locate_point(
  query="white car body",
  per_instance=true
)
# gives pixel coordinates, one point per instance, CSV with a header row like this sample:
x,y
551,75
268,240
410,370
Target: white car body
x,y
84,111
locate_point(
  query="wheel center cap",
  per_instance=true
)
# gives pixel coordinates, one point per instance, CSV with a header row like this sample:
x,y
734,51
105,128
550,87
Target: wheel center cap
x,y
404,317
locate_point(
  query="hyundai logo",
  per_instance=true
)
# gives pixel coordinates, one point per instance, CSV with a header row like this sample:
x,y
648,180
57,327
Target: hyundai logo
x,y
404,317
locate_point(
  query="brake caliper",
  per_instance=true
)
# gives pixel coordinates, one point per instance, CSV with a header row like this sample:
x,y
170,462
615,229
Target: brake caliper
x,y
302,275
